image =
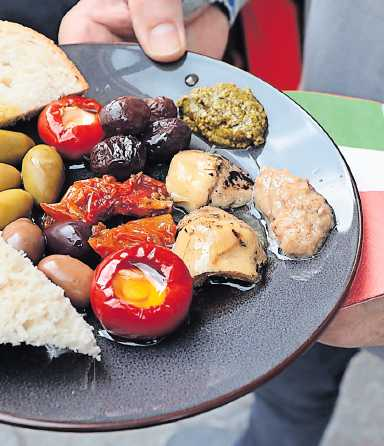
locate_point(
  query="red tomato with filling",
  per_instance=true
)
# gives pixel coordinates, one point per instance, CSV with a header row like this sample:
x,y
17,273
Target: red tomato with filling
x,y
72,125
141,293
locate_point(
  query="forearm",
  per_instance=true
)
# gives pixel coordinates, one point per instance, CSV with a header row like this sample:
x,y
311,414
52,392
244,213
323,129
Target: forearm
x,y
232,7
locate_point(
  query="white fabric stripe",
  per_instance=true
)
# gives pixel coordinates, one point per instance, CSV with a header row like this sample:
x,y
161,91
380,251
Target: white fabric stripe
x,y
367,167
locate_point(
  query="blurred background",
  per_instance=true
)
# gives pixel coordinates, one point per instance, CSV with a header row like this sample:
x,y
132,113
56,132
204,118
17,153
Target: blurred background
x,y
266,40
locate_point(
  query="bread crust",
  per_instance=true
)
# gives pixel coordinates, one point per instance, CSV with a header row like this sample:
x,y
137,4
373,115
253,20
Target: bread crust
x,y
15,28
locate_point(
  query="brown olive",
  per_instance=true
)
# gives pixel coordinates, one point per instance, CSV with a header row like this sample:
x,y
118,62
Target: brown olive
x,y
125,115
69,238
166,137
120,156
25,236
161,107
73,276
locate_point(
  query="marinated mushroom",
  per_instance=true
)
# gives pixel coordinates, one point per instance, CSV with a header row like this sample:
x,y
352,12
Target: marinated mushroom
x,y
213,242
196,178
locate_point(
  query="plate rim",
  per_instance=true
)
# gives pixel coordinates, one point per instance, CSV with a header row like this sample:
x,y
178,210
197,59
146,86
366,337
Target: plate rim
x,y
119,425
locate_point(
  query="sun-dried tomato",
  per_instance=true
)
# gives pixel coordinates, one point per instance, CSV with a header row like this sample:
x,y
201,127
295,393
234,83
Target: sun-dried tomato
x,y
160,230
146,197
97,199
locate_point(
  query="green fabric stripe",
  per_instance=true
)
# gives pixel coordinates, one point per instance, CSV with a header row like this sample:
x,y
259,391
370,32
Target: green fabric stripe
x,y
350,122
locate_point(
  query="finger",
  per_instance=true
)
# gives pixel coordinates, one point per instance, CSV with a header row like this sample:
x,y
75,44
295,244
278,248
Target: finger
x,y
159,27
106,22
114,15
84,32
208,33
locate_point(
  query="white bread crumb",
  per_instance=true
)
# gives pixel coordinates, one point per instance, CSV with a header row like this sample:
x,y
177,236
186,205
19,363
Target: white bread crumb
x,y
34,311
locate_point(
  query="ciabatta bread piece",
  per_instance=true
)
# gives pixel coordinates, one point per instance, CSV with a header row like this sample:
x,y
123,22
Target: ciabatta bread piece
x,y
34,311
33,72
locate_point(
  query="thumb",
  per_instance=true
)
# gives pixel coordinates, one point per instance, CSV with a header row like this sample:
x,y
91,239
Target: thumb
x,y
159,27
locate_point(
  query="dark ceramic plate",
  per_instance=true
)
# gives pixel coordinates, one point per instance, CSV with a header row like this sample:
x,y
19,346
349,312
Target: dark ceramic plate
x,y
235,340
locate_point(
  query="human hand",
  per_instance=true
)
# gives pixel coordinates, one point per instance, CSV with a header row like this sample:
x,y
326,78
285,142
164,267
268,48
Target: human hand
x,y
159,28
157,25
359,325
207,32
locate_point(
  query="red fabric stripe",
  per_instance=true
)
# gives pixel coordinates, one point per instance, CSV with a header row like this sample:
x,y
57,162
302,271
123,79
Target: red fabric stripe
x,y
272,41
369,280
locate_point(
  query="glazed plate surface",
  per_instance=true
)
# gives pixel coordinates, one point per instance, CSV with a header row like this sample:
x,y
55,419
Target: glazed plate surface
x,y
235,340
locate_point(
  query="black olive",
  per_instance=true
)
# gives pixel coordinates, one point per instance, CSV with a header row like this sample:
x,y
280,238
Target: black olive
x,y
69,238
119,156
166,137
161,108
125,115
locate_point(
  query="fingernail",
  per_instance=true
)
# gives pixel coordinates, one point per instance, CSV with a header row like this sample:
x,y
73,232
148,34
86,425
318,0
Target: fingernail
x,y
164,40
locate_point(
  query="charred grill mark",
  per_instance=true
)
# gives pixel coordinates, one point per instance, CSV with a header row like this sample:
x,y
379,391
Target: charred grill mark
x,y
238,180
238,236
235,177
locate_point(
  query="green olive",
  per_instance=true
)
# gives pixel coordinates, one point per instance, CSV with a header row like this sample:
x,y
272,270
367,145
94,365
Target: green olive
x,y
14,203
13,146
10,177
43,173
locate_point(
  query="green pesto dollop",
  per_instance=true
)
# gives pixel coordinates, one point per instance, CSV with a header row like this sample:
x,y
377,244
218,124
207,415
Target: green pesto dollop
x,y
226,115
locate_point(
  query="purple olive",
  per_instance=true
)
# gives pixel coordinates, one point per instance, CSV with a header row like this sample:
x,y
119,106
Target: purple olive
x,y
120,156
125,115
161,107
166,137
69,238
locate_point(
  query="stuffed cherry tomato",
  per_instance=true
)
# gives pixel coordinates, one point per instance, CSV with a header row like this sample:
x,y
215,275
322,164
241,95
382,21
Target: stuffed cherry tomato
x,y
72,125
141,293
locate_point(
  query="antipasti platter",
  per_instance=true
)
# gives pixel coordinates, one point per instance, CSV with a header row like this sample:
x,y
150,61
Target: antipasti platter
x,y
190,232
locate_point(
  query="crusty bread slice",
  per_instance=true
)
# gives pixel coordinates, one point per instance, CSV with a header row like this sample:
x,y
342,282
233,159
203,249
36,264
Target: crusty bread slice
x,y
34,311
33,73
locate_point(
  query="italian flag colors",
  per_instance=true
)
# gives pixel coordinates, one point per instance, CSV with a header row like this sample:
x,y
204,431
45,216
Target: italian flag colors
x,y
357,126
